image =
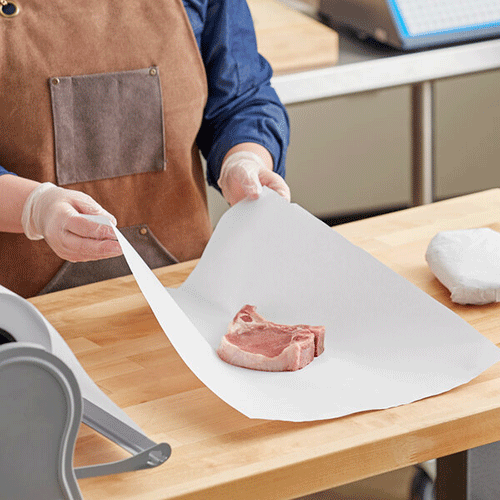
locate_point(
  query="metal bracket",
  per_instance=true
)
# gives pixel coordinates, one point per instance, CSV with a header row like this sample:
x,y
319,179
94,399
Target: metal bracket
x,y
145,452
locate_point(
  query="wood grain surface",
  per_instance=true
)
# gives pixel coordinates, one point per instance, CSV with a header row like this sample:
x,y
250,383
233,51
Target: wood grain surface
x,y
220,454
290,40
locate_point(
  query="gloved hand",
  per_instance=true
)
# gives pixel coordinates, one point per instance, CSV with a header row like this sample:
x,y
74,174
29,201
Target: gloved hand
x,y
53,213
244,173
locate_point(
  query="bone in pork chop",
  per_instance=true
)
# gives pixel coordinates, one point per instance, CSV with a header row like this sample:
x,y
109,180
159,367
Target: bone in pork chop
x,y
253,342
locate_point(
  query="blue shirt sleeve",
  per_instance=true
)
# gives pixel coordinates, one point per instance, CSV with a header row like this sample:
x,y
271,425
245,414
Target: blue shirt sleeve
x,y
3,171
242,106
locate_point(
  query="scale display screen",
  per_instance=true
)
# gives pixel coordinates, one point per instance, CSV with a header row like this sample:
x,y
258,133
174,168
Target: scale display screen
x,y
424,17
416,24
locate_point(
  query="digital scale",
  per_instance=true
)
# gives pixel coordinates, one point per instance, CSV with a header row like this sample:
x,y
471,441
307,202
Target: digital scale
x,y
416,24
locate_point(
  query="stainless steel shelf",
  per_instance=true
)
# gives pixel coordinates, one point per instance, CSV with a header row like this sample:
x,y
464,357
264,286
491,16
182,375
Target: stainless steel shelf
x,y
363,67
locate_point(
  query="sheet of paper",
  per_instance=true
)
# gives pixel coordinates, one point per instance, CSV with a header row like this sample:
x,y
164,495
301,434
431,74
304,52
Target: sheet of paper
x,y
387,343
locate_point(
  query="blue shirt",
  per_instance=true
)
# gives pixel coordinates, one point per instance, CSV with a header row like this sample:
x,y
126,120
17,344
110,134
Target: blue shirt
x,y
242,106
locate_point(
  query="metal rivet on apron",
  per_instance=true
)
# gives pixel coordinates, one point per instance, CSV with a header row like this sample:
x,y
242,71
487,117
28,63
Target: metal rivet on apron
x,y
8,8
153,71
143,230
55,81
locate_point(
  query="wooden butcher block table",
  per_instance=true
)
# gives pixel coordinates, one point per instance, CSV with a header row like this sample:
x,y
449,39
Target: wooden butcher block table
x,y
218,453
290,40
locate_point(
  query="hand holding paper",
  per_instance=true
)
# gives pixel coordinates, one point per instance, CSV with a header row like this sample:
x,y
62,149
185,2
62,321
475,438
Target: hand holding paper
x,y
243,174
54,214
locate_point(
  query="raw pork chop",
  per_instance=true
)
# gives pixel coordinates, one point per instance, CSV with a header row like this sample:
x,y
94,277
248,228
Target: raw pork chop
x,y
253,342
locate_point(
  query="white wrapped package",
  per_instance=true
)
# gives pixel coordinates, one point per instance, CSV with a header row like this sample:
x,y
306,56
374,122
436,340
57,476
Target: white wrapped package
x,y
467,262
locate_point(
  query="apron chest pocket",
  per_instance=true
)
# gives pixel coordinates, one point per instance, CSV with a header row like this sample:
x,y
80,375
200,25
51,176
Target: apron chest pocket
x,y
107,125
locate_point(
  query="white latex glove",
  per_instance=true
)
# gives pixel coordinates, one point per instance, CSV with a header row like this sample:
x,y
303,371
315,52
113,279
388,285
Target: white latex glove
x,y
53,213
244,173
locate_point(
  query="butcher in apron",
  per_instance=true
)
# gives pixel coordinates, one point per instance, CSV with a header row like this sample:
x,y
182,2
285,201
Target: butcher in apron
x,y
102,103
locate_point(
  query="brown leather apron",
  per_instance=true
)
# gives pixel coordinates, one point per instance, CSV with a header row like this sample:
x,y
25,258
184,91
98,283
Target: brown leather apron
x,y
106,97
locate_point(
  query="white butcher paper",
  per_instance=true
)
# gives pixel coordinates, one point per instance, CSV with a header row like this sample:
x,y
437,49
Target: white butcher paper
x,y
466,261
387,342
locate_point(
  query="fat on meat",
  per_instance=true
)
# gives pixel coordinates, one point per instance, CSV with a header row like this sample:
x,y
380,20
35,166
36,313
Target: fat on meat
x,y
253,342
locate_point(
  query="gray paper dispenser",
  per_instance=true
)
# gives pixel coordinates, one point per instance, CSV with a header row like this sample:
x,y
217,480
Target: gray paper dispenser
x,y
31,349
